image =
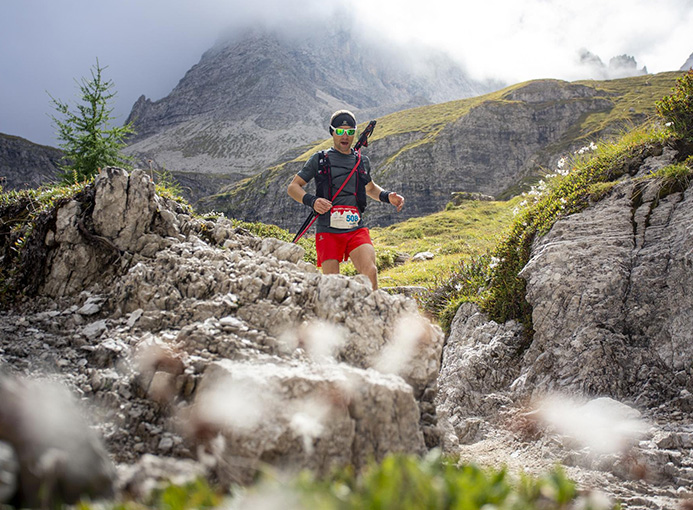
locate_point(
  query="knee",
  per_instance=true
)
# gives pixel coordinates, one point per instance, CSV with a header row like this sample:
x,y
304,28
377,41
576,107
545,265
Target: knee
x,y
370,270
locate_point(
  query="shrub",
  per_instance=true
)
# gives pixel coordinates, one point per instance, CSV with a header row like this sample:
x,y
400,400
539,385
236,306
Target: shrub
x,y
677,108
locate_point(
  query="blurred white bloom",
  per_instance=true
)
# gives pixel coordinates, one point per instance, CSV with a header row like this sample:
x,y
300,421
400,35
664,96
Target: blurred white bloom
x,y
232,403
397,354
603,424
307,422
322,340
494,262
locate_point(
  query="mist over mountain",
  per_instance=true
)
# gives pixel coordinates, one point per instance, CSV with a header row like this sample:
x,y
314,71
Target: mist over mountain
x,y
620,66
258,93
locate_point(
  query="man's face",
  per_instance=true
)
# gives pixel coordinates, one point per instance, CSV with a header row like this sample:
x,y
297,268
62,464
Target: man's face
x,y
342,140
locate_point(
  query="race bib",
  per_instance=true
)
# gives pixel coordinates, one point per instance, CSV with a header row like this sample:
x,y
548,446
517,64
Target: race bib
x,y
344,217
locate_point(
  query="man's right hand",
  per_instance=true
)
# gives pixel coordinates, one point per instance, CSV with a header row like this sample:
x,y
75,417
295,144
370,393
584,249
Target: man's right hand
x,y
322,205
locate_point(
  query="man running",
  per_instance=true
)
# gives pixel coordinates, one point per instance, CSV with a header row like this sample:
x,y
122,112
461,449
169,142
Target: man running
x,y
340,233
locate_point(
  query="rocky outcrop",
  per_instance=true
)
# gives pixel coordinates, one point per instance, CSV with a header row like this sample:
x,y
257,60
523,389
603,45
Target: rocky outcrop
x,y
610,291
192,339
24,164
610,287
620,66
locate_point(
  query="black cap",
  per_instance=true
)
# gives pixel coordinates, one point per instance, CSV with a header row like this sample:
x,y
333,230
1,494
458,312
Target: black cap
x,y
342,118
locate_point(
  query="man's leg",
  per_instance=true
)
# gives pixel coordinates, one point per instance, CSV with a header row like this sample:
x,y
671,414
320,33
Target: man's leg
x,y
363,258
330,266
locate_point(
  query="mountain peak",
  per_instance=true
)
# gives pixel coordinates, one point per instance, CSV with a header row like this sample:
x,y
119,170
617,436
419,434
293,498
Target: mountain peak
x,y
254,83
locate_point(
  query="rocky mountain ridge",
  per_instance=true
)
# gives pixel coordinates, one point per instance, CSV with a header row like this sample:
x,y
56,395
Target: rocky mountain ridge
x,y
259,94
688,64
24,164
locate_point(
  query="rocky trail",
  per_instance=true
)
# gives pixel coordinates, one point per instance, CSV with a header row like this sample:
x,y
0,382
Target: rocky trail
x,y
154,345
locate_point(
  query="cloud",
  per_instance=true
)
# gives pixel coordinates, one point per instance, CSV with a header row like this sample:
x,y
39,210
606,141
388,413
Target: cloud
x,y
148,46
520,40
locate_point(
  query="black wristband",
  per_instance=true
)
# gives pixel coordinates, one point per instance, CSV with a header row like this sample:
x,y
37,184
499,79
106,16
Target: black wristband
x,y
309,200
385,196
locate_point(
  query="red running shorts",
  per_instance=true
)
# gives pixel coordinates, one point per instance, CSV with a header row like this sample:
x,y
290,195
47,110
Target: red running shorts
x,y
338,246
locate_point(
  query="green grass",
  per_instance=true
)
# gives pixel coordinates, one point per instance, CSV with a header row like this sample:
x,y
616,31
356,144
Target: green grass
x,y
635,96
455,234
406,482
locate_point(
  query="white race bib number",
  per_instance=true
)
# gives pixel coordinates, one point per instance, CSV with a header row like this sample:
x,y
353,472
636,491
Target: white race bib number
x,y
344,217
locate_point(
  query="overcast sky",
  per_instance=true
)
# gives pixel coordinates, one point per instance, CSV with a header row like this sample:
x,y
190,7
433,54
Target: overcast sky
x,y
148,45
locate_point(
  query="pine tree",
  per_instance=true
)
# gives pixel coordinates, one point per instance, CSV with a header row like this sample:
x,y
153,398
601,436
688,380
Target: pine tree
x,y
87,140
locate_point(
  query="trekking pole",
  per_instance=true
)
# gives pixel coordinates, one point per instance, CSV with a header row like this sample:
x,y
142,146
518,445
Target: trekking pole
x,y
361,142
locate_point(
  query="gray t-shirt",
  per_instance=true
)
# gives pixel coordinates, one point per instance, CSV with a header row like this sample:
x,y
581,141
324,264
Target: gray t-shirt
x,y
341,166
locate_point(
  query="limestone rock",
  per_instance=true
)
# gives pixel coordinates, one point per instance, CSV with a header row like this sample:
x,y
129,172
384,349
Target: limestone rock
x,y
480,361
301,416
610,287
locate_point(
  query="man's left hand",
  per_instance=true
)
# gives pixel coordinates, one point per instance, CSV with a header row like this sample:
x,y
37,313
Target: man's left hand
x,y
396,200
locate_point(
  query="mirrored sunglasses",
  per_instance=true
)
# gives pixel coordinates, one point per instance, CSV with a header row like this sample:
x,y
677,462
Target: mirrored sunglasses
x,y
348,131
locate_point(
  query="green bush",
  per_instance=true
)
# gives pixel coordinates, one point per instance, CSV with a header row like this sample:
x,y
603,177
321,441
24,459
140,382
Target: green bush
x,y
406,482
464,283
677,108
674,178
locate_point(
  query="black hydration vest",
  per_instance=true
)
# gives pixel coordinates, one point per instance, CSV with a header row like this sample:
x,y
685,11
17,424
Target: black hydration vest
x,y
323,181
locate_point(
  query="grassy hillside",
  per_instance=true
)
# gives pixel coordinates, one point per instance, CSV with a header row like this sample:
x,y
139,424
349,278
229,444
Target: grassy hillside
x,y
633,100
